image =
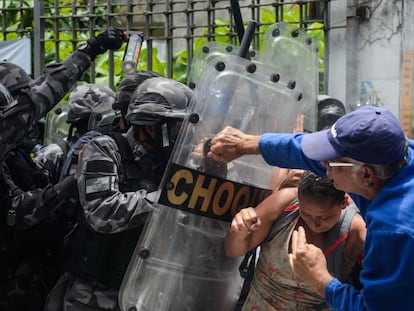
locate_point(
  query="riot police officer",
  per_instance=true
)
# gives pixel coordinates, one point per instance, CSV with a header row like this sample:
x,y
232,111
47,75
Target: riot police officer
x,y
117,175
329,110
28,200
126,88
89,114
28,249
47,90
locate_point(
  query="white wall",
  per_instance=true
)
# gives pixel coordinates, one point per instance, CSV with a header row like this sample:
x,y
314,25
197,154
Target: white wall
x,y
365,55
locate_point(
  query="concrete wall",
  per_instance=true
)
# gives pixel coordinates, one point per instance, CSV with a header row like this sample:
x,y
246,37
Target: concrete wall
x,y
370,55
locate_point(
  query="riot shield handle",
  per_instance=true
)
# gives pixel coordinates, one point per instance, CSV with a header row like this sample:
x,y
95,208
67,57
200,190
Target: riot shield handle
x,y
247,39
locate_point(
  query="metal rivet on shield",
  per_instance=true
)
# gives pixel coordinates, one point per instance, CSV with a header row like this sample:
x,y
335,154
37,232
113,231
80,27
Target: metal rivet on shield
x,y
252,53
308,41
144,253
291,84
169,185
192,85
275,77
276,32
220,66
229,48
251,68
295,33
58,110
194,118
205,49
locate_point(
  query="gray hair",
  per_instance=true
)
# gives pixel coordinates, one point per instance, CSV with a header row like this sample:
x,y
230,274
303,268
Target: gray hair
x,y
385,171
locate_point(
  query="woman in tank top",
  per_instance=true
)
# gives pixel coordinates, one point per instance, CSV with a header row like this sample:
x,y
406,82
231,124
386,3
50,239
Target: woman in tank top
x,y
330,222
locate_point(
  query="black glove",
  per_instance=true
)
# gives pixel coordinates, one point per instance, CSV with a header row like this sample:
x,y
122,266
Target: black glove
x,y
111,39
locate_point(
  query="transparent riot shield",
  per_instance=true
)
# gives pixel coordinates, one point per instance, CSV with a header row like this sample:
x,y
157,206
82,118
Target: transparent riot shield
x,y
56,127
180,263
296,56
209,52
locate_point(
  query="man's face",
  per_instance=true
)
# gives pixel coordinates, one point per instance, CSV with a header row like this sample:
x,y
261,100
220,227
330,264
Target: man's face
x,y
174,130
145,135
341,171
159,136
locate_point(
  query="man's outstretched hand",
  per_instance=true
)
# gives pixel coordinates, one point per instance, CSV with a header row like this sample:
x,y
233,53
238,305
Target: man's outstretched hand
x,y
308,262
231,143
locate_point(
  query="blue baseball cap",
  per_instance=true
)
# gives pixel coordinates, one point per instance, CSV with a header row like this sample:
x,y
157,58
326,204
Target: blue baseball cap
x,y
369,134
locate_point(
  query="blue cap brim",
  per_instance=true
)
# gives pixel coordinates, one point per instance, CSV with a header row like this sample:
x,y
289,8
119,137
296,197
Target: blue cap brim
x,y
316,146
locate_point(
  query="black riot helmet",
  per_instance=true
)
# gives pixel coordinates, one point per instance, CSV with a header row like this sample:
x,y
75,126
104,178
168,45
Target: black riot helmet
x,y
127,86
329,110
13,77
162,103
6,99
90,108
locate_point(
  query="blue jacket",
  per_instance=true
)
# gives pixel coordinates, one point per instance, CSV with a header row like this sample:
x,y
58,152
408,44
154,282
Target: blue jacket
x,y
388,267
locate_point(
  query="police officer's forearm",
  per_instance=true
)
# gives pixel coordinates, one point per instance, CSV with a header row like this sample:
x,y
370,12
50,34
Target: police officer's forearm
x,y
50,88
115,212
66,187
36,205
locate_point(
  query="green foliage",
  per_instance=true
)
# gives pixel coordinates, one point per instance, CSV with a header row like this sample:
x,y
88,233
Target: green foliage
x,y
157,65
180,62
222,31
17,23
67,41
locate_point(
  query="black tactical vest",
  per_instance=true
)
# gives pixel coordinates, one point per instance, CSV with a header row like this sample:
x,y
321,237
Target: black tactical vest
x,y
105,257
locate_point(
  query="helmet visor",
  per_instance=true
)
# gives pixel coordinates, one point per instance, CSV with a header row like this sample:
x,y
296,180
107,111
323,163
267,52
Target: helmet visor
x,y
6,99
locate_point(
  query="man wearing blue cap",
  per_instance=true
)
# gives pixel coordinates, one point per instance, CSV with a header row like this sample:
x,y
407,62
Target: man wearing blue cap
x,y
367,155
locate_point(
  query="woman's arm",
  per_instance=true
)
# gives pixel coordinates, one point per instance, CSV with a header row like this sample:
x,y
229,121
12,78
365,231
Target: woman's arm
x,y
250,226
356,239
